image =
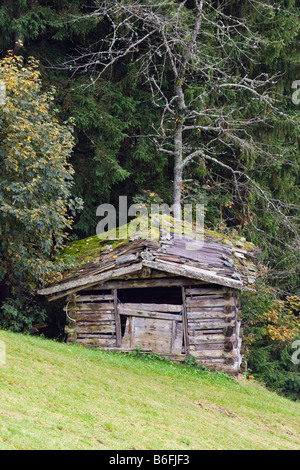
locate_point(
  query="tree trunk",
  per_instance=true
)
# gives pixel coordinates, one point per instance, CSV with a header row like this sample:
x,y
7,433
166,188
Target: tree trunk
x,y
19,36
178,150
177,172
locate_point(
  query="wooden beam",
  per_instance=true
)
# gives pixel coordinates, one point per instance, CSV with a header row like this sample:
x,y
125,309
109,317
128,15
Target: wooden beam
x,y
144,283
134,283
95,317
141,350
101,328
184,319
94,307
166,308
208,302
117,319
149,314
194,273
207,291
85,282
94,298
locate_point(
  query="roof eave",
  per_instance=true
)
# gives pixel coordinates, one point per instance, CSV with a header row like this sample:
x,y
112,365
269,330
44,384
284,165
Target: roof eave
x,y
172,268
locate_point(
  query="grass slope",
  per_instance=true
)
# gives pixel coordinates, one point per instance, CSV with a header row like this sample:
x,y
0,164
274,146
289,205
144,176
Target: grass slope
x,y
58,396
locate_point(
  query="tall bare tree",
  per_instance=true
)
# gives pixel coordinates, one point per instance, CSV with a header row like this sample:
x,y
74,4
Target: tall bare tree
x,y
196,57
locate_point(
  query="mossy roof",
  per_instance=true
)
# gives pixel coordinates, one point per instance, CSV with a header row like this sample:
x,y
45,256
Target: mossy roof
x,y
231,259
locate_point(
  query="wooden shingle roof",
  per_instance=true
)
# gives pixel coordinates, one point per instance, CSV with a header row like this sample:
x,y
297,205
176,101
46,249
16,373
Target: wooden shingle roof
x,y
216,260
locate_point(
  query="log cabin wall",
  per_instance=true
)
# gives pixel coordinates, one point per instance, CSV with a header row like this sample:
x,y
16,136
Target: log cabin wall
x,y
213,327
91,320
128,318
205,325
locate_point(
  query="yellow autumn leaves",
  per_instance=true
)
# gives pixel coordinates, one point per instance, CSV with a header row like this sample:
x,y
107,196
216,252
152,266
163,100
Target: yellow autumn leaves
x,y
35,176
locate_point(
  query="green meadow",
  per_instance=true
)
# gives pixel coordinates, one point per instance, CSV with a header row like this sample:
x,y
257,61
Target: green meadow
x,y
64,397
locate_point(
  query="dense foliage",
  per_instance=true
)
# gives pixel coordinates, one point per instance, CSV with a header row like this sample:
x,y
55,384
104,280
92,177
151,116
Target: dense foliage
x,y
115,149
271,330
35,182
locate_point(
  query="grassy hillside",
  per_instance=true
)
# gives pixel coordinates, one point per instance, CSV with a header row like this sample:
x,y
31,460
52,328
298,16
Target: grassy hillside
x,y
58,396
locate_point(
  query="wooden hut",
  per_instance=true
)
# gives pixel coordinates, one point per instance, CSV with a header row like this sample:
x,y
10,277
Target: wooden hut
x,y
160,296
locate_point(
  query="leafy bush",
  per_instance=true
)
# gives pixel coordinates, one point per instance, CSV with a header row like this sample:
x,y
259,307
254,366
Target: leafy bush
x,y
271,325
35,181
19,316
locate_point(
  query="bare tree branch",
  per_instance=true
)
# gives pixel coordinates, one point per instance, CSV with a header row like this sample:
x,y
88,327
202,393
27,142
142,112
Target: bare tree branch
x,y
196,50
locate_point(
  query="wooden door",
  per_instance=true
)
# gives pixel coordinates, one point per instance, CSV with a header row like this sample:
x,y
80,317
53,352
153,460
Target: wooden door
x,y
153,327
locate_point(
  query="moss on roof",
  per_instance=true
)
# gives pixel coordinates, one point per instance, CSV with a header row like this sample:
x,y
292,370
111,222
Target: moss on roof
x,y
80,252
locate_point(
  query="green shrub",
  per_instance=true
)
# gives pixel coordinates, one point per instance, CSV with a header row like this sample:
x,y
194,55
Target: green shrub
x,y
270,326
19,316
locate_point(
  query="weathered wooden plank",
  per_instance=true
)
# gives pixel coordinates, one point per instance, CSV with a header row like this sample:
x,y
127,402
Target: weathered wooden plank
x,y
100,313
207,360
141,283
117,319
207,346
96,329
100,336
217,310
224,347
208,302
198,339
95,323
94,307
184,319
201,337
208,324
165,308
202,298
82,283
208,331
95,317
142,350
226,322
191,315
174,259
207,290
97,342
177,338
94,298
214,354
148,314
200,242
195,273
205,252
226,296
127,337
